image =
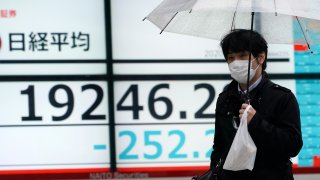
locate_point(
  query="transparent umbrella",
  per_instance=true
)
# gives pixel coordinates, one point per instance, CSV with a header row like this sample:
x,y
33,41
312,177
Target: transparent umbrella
x,y
274,19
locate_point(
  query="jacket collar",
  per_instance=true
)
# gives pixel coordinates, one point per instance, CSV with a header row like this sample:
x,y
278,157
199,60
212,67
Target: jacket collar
x,y
233,86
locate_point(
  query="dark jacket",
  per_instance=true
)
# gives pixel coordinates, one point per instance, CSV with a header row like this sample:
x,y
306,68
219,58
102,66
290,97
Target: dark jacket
x,y
275,130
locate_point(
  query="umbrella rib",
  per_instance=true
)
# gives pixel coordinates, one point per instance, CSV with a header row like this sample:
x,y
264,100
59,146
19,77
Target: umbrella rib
x,y
169,22
304,35
234,15
275,7
232,24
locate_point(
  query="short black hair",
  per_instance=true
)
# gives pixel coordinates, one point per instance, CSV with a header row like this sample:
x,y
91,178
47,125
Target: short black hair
x,y
238,41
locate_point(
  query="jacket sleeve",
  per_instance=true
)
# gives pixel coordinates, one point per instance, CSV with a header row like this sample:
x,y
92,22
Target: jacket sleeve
x,y
218,143
283,139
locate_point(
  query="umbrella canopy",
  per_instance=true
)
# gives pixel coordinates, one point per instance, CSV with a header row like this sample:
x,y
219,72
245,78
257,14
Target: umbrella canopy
x,y
274,19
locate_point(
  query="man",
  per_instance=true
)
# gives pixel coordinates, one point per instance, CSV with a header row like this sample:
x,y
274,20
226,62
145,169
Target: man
x,y
273,119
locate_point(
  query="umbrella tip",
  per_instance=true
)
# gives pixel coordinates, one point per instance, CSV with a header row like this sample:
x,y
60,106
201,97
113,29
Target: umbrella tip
x,y
311,51
144,19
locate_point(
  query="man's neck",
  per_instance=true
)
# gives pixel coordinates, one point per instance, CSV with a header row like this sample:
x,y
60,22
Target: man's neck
x,y
243,87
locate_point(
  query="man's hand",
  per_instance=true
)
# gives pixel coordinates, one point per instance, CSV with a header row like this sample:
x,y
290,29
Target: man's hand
x,y
251,112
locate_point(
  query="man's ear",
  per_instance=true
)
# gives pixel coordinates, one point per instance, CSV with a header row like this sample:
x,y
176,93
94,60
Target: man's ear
x,y
261,58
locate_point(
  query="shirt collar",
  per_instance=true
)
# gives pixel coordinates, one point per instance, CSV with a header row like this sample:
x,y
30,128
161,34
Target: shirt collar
x,y
254,85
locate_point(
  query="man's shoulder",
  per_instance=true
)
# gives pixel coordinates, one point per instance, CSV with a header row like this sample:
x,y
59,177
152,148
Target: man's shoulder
x,y
275,90
268,83
277,87
281,88
227,91
231,86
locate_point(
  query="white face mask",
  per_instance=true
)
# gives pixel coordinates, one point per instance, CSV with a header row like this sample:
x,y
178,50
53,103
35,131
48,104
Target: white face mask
x,y
239,71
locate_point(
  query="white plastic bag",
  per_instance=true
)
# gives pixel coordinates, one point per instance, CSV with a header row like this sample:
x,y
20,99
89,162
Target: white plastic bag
x,y
242,153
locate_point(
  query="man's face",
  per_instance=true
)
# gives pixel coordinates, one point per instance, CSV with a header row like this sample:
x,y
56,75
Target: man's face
x,y
241,56
237,56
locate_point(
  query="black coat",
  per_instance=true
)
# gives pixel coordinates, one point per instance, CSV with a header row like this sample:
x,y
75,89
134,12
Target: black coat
x,y
275,130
